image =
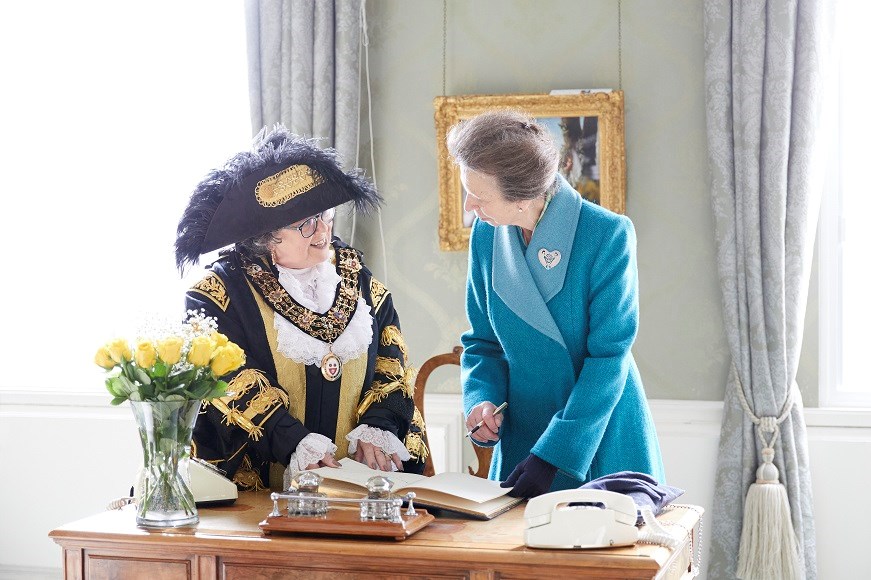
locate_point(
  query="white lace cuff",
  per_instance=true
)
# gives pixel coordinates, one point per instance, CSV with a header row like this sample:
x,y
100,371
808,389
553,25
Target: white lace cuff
x,y
379,438
311,449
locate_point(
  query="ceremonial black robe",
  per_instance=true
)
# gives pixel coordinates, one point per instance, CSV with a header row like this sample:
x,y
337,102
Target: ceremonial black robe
x,y
274,402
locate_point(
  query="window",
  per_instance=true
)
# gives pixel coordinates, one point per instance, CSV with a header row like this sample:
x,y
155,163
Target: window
x,y
845,237
112,112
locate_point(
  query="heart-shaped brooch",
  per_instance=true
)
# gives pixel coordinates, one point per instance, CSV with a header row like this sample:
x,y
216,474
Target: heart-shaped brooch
x,y
548,259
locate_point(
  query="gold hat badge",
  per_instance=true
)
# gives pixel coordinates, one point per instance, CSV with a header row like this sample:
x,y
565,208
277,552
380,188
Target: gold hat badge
x,y
286,185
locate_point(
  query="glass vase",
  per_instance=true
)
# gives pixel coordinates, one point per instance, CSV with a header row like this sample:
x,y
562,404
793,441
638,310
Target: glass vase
x,y
164,498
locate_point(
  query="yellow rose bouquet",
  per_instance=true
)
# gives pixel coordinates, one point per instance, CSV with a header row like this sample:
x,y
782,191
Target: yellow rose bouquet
x,y
183,365
166,376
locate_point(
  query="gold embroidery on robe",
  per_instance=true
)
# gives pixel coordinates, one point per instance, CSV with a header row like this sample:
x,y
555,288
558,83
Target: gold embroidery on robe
x,y
237,452
267,400
417,420
408,382
391,367
379,293
376,393
244,382
213,287
247,478
416,446
414,441
392,335
379,390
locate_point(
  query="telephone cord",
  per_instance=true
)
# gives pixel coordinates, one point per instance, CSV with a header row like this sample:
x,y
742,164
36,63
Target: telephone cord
x,y
117,504
656,532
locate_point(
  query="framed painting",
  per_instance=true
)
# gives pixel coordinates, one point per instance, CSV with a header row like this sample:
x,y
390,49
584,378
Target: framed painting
x,y
587,129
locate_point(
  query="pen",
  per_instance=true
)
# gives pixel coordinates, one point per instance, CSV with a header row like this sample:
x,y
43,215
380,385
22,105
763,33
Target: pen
x,y
498,411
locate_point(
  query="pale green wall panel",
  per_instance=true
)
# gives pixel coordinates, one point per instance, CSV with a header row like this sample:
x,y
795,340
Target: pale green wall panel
x,y
501,46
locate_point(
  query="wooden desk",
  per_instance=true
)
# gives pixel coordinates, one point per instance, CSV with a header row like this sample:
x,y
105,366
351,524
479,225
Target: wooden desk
x,y
228,544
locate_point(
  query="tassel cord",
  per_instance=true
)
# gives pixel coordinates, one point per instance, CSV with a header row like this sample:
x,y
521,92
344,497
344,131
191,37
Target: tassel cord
x,y
765,424
768,547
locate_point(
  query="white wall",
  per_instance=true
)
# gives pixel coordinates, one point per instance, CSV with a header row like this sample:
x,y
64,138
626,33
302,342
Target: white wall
x,y
66,457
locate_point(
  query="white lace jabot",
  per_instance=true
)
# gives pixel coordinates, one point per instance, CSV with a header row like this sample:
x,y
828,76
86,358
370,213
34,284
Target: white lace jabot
x,y
315,288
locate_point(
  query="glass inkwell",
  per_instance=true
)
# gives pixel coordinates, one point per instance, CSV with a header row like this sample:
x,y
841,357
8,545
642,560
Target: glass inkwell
x,y
304,502
307,510
378,504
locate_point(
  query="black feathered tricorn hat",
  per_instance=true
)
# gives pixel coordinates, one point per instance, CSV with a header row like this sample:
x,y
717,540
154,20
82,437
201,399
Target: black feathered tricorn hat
x,y
284,178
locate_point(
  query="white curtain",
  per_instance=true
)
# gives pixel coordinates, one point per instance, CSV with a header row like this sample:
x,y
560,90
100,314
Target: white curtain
x,y
763,94
304,71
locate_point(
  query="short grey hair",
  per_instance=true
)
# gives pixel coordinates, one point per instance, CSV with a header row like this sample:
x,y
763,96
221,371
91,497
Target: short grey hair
x,y
509,146
260,246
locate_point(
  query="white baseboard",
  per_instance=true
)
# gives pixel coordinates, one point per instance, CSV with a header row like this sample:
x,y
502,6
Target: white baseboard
x,y
30,573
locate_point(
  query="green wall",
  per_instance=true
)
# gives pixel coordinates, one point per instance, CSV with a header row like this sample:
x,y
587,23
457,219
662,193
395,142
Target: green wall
x,y
498,47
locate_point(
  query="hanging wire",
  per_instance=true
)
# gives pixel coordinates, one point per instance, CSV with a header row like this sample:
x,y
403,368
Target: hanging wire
x,y
620,45
359,93
444,46
365,38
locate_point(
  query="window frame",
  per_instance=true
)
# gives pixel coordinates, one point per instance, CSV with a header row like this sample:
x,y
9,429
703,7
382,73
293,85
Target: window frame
x,y
831,239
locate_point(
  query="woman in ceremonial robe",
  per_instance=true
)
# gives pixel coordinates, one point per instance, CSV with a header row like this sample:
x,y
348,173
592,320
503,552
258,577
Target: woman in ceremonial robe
x,y
552,302
327,372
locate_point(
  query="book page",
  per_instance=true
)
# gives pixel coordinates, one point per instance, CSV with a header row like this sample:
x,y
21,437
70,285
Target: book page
x,y
486,510
454,491
459,485
357,473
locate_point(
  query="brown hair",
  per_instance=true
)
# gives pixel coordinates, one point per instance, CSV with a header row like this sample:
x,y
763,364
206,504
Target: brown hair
x,y
510,146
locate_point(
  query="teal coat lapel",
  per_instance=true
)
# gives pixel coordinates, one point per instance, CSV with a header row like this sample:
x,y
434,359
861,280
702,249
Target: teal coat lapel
x,y
520,279
554,233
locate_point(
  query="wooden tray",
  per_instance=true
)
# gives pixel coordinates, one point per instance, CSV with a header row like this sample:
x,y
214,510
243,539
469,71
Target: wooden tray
x,y
346,522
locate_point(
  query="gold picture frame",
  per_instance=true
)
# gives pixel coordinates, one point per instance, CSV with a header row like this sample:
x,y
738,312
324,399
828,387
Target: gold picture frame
x,y
601,176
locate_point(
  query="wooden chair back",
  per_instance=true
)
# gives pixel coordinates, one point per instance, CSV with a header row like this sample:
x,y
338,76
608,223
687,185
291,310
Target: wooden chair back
x,y
484,454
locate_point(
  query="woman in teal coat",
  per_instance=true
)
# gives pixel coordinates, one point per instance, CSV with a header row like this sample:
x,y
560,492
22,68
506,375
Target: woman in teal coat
x,y
552,301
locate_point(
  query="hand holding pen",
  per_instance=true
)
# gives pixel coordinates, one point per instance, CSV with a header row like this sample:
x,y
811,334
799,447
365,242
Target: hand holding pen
x,y
484,421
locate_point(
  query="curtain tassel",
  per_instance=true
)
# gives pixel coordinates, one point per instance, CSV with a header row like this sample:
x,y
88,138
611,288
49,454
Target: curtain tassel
x,y
769,548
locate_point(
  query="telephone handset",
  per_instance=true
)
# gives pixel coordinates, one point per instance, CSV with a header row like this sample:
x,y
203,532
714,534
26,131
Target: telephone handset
x,y
209,485
580,518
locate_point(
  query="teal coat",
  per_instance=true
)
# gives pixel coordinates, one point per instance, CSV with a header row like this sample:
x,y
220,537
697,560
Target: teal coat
x,y
556,343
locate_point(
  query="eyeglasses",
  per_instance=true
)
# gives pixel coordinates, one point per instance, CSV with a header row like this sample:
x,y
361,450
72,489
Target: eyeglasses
x,y
308,228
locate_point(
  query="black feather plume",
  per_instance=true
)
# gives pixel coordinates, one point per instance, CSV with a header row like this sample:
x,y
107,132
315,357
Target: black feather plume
x,y
271,148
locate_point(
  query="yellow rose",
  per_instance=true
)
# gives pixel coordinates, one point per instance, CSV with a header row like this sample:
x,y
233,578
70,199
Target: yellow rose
x,y
103,359
119,350
218,339
145,355
227,359
201,351
169,349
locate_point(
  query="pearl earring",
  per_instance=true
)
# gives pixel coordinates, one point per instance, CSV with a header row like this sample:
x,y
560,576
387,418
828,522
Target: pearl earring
x,y
520,209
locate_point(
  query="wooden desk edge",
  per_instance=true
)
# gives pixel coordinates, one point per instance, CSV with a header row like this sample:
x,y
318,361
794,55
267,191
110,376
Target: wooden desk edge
x,y
204,542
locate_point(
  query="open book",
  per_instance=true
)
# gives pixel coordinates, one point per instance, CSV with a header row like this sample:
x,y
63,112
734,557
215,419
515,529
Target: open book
x,y
459,492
